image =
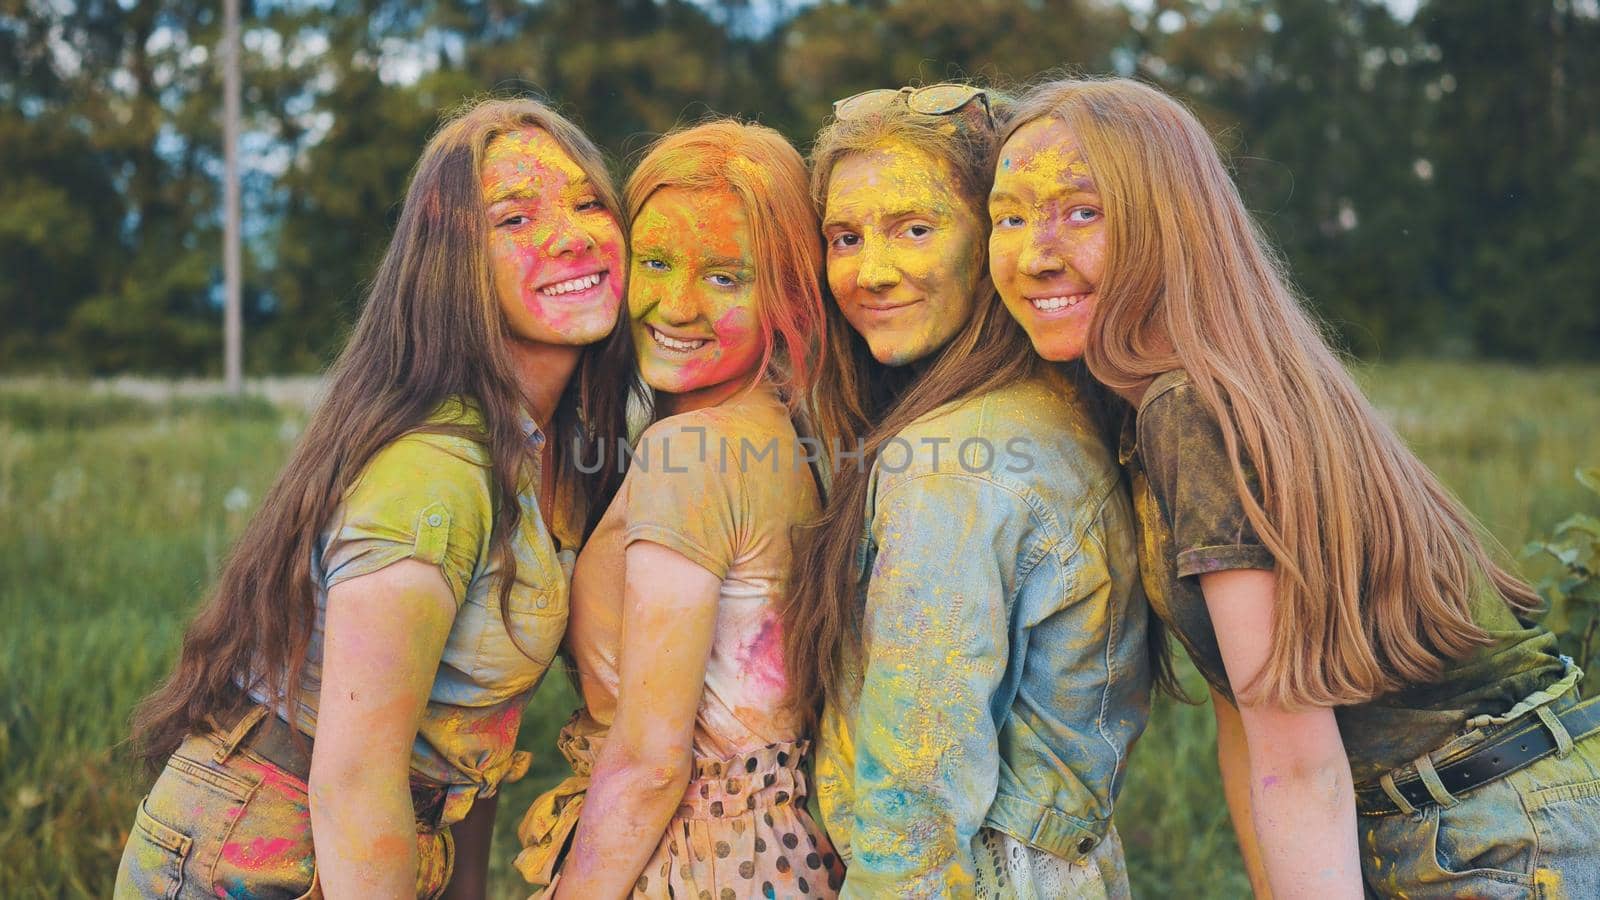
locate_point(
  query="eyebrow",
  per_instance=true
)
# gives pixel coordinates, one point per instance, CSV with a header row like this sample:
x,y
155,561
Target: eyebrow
x,y
892,216
500,195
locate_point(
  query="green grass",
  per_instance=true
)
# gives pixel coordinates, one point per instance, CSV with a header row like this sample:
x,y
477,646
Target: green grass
x,y
114,514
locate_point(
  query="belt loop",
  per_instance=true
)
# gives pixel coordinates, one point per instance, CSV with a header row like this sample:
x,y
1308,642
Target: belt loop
x,y
1397,798
1430,780
1557,730
237,734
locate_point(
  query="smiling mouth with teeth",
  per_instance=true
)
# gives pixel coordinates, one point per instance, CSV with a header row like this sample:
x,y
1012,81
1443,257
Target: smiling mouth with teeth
x,y
572,285
1052,304
675,345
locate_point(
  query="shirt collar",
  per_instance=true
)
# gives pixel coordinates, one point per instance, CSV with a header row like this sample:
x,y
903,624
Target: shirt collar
x,y
530,429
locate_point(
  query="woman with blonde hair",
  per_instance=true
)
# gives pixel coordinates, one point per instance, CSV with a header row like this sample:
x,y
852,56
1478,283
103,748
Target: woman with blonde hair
x,y
688,776
966,626
1389,718
345,707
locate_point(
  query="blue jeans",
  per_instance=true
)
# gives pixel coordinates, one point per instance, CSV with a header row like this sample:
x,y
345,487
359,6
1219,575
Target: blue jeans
x,y
1533,833
222,821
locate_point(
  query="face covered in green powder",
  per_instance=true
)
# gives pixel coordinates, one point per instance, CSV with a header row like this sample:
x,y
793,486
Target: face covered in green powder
x,y
692,296
555,250
905,251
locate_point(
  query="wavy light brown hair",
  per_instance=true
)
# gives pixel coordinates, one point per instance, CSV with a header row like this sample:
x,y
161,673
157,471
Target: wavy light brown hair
x,y
430,329
861,402
1376,561
768,176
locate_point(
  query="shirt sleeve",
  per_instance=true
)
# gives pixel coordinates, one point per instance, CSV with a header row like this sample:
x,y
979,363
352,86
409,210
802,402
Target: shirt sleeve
x,y
936,631
1186,462
424,497
683,494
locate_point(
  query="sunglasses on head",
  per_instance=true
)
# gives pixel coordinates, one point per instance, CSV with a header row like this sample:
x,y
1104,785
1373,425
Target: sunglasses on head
x,y
943,99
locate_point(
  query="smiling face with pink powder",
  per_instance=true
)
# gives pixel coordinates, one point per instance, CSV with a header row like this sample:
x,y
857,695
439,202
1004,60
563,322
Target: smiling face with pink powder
x,y
692,297
555,250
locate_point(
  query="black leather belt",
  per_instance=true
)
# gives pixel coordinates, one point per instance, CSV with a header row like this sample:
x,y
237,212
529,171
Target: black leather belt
x,y
1516,746
274,741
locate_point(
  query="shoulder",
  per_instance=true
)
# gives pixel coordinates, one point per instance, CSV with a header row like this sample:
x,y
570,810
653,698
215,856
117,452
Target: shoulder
x,y
1171,398
1035,438
754,425
449,449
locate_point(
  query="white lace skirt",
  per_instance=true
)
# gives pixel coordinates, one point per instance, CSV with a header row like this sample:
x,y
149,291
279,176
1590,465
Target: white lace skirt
x,y
1008,869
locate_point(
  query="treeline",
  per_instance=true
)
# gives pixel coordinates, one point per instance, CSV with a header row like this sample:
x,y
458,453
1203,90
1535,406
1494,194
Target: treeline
x,y
1435,183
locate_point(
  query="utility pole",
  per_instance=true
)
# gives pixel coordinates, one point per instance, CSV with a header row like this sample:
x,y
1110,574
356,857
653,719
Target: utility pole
x,y
232,319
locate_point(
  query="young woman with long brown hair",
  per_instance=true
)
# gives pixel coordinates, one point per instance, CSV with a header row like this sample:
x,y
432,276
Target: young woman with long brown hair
x,y
687,765
1387,713
966,624
345,705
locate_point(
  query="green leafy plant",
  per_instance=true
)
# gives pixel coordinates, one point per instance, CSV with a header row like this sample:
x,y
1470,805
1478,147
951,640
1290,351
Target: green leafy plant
x,y
1572,587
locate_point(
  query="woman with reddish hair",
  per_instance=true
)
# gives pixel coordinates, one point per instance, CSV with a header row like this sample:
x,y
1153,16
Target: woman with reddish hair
x,y
687,764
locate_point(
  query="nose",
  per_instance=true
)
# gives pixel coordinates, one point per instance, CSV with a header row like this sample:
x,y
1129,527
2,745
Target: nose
x,y
876,273
675,305
568,238
1040,256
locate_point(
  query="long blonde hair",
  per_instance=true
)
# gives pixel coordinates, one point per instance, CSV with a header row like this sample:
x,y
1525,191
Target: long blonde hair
x,y
768,175
1377,563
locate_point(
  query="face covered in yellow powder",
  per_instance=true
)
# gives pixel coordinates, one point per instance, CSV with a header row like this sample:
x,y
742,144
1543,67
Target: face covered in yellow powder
x,y
905,251
555,250
692,296
1047,249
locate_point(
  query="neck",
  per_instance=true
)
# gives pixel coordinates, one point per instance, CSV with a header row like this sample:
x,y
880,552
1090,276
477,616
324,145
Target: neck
x,y
543,371
701,398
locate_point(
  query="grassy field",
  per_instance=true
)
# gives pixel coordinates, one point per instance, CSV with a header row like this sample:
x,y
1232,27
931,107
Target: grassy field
x,y
114,512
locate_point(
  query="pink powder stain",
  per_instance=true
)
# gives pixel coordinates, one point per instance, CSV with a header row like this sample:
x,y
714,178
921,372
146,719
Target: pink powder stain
x,y
503,725
258,853
278,781
761,659
733,357
1269,781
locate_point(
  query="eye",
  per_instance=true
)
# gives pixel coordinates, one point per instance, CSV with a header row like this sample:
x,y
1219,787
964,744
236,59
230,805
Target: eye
x,y
844,240
1011,221
918,230
655,265
513,221
590,204
722,280
1081,214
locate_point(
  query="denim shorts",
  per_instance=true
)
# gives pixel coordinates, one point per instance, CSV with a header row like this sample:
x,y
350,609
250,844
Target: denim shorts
x,y
221,821
1532,833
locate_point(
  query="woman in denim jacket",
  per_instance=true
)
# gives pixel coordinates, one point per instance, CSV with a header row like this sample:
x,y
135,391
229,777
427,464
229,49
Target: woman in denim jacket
x,y
967,623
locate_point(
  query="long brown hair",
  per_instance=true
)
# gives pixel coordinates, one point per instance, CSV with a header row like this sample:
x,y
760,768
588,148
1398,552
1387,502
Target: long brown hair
x,y
430,330
766,173
860,402
1377,563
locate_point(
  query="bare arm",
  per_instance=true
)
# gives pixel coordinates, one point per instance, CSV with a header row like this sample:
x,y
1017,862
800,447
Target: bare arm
x,y
385,633
1234,762
669,612
470,880
1301,798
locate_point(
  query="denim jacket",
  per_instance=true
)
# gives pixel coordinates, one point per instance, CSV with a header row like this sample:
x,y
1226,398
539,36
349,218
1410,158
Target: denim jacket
x,y
1004,674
